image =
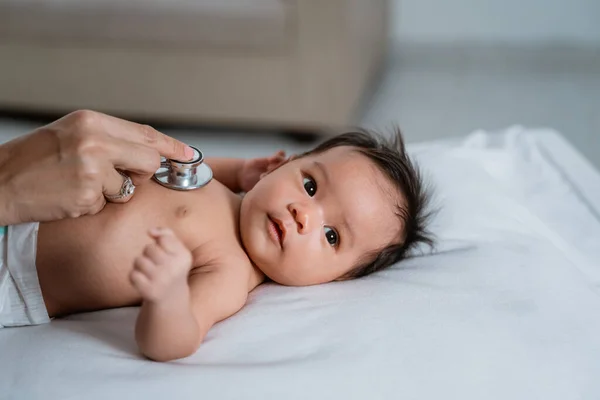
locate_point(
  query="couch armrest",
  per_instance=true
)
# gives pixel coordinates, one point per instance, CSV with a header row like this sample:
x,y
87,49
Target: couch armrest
x,y
341,45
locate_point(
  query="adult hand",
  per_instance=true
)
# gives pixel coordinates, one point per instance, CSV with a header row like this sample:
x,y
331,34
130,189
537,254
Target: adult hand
x,y
66,168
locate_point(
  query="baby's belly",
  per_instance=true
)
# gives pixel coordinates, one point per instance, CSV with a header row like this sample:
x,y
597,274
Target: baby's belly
x,y
84,264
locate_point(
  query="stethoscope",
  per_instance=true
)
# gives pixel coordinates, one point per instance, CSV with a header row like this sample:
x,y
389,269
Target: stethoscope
x,y
184,175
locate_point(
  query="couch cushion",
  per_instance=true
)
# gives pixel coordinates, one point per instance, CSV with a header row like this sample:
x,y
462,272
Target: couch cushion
x,y
230,23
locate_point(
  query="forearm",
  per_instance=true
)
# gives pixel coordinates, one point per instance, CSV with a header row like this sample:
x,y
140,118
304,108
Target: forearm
x,y
7,207
168,330
7,216
11,201
226,171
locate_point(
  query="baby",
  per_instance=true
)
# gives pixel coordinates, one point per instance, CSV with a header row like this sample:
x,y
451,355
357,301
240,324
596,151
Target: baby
x,y
350,207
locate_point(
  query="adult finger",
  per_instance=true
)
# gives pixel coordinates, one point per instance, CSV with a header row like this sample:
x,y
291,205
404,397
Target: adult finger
x,y
98,205
148,136
139,161
112,186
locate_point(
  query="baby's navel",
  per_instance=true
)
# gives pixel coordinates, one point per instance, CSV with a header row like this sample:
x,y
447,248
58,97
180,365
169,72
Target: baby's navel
x,y
181,211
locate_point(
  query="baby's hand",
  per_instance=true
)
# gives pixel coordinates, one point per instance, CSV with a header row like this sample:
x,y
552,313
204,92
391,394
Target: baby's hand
x,y
162,270
253,169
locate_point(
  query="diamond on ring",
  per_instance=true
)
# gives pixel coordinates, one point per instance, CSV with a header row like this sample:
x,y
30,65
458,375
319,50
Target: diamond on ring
x,y
127,189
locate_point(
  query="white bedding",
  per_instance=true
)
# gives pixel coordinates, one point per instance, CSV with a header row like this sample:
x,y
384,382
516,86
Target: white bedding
x,y
508,307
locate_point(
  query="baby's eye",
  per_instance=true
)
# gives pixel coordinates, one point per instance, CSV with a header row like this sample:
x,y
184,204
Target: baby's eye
x,y
310,186
332,236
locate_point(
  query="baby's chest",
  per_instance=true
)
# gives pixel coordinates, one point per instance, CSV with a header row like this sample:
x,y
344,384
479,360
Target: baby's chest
x,y
207,214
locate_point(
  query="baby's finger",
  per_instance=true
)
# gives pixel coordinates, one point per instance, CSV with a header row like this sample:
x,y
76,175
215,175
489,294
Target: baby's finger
x,y
145,266
169,242
140,281
155,253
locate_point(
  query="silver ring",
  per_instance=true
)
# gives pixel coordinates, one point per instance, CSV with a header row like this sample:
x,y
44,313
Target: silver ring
x,y
127,189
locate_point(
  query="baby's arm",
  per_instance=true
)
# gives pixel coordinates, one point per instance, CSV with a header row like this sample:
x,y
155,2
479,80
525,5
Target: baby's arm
x,y
240,175
227,171
178,307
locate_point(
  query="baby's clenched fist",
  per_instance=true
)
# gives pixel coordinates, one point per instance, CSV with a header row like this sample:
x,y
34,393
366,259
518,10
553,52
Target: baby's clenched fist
x,y
161,271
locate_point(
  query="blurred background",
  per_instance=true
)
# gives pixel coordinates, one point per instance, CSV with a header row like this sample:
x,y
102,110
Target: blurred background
x,y
244,78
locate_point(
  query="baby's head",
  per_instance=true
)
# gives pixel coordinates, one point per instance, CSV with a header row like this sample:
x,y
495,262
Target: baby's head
x,y
352,206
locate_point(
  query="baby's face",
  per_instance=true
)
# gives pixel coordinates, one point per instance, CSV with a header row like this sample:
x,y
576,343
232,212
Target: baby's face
x,y
311,220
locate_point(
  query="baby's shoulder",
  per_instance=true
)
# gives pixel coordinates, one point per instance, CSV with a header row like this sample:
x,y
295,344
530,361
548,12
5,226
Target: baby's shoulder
x,y
227,260
219,252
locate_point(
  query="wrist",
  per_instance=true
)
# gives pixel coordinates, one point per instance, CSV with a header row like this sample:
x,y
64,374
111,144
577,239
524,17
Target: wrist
x,y
177,298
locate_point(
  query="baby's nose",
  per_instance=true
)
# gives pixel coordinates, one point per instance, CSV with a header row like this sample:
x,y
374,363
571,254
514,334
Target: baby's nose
x,y
302,216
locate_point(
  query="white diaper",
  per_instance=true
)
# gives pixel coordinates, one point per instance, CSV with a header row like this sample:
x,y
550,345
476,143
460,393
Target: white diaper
x,y
21,301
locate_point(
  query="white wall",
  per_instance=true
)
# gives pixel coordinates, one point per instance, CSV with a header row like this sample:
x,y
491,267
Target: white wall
x,y
497,20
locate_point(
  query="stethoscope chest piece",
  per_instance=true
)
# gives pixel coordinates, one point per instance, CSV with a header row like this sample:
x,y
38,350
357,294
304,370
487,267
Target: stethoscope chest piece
x,y
184,175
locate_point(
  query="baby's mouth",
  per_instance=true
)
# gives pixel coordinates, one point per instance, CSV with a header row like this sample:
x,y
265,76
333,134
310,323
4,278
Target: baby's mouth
x,y
278,229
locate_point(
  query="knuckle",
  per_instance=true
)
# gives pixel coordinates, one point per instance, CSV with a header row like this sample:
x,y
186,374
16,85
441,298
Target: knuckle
x,y
86,198
150,134
86,141
84,119
85,174
74,214
152,160
87,147
84,136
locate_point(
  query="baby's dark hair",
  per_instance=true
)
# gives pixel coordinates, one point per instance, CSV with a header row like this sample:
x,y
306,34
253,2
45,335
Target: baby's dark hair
x,y
390,156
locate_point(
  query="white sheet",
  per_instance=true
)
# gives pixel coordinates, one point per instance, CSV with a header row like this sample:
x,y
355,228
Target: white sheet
x,y
507,308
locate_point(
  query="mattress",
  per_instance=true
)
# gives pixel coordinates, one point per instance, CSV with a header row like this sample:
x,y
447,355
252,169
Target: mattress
x,y
506,306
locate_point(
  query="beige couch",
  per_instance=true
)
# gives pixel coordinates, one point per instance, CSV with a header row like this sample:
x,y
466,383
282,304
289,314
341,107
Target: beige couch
x,y
282,63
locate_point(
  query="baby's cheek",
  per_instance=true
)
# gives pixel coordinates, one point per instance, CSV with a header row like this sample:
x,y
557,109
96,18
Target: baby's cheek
x,y
303,265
